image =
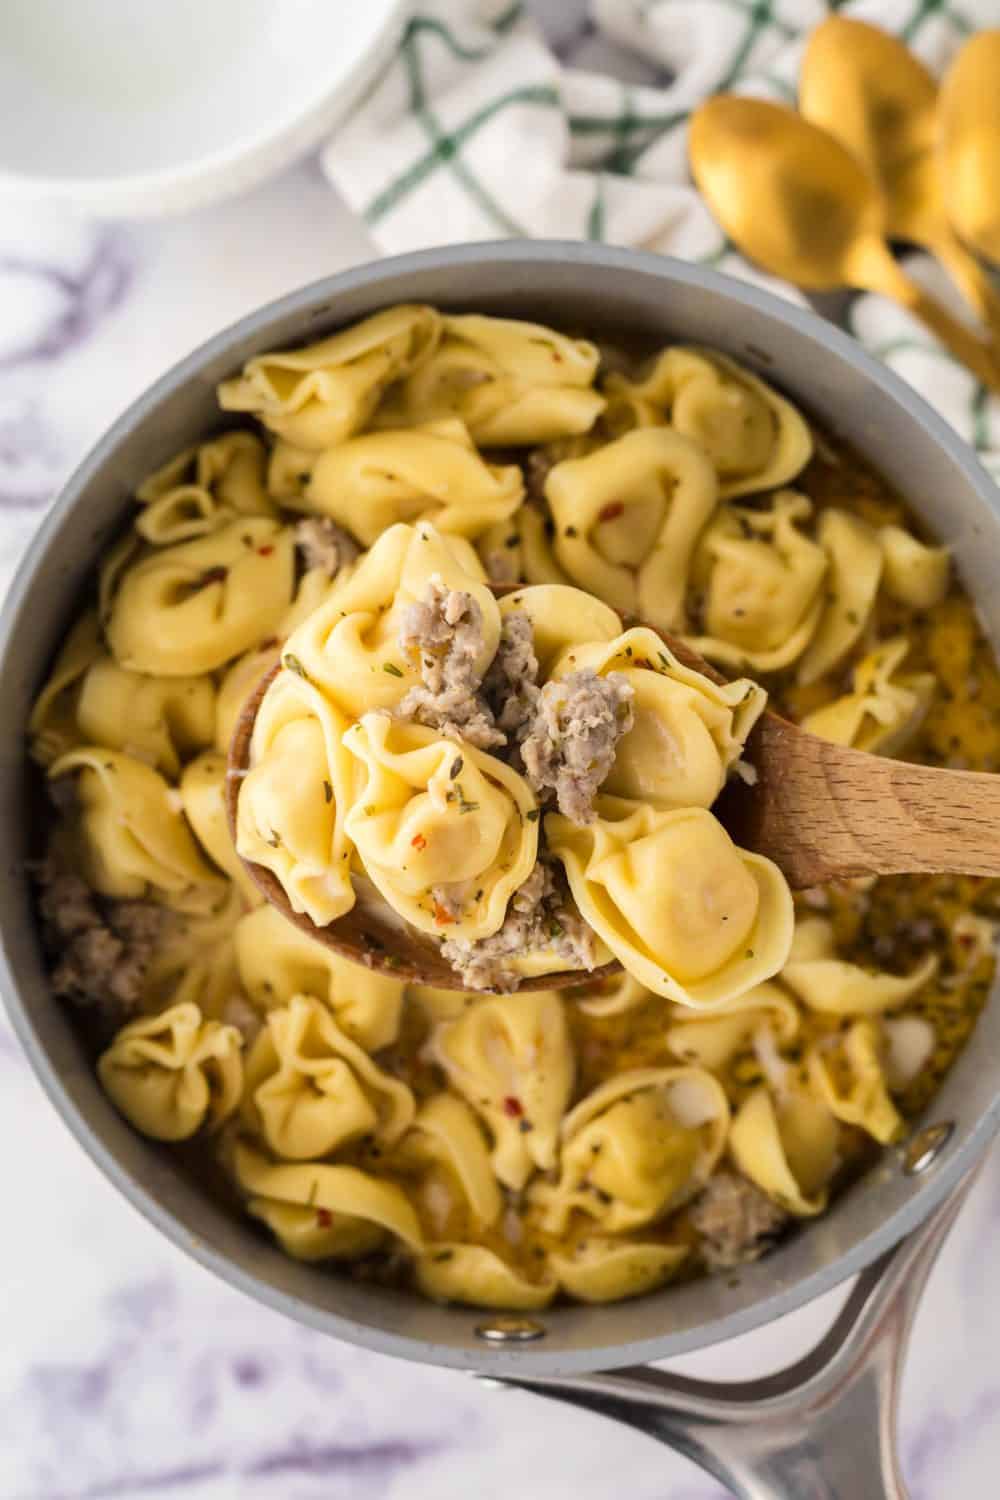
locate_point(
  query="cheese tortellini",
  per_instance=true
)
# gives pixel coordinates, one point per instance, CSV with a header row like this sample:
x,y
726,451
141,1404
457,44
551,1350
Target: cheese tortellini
x,y
349,647
687,730
443,830
510,382
191,607
884,708
318,396
511,1058
310,1090
759,579
171,1074
435,556
754,437
431,473
277,961
133,836
193,493
294,800
638,1146
695,919
627,519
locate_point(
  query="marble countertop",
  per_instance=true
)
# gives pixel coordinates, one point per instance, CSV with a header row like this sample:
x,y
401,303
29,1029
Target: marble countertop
x,y
125,1369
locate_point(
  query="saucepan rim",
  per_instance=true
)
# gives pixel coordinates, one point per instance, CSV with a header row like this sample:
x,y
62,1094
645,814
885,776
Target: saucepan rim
x,y
316,305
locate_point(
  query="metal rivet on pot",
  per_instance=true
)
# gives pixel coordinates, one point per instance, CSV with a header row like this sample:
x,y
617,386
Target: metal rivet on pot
x,y
510,1329
924,1148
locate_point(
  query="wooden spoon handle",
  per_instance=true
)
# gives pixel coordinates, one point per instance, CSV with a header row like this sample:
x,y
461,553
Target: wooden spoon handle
x,y
969,276
874,269
826,813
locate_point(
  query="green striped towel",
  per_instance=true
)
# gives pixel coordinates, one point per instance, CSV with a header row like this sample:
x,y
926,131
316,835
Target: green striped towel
x,y
476,130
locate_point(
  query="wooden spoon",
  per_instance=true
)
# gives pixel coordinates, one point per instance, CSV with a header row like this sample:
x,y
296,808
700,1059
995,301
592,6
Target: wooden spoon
x,y
803,207
867,89
969,125
819,811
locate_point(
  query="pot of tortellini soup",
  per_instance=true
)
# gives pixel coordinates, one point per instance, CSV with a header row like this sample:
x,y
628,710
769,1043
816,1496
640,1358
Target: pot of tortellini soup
x,y
744,1096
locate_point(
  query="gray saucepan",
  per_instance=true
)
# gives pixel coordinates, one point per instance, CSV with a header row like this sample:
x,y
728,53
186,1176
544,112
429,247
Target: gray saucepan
x,y
822,1429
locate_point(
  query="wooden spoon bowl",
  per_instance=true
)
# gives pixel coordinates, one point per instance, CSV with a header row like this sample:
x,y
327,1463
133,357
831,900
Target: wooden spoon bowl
x,y
820,811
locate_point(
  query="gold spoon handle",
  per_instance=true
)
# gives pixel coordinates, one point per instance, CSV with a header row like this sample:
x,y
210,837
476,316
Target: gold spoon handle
x,y
873,269
969,276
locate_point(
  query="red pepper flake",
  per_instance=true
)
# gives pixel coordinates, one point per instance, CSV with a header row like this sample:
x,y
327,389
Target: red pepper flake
x,y
611,512
442,915
418,842
264,551
513,1108
324,1218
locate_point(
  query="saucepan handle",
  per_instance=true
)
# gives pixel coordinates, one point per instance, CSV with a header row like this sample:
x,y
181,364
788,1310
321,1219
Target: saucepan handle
x,y
822,1429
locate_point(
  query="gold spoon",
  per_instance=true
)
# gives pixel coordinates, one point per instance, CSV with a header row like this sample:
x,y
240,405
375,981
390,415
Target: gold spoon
x,y
821,812
867,89
799,204
969,125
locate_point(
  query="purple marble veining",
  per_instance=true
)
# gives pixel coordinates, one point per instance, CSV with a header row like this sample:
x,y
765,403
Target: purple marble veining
x,y
32,459
365,1470
78,301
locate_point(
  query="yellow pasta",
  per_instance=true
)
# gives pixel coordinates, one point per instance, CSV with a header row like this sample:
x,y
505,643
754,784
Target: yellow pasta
x,y
788,1147
688,914
427,473
294,800
855,567
190,608
350,646
133,835
160,720
320,395
193,493
475,1275
884,708
510,1057
852,1080
510,382
443,829
914,573
53,727
457,1190
171,1074
754,437
826,983
760,581
202,789
277,961
687,730
609,1270
351,1203
310,1090
627,518
635,1148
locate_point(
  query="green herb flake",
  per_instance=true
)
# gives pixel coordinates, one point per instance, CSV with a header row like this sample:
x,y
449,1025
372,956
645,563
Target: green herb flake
x,y
275,840
292,664
327,791
456,767
534,815
391,668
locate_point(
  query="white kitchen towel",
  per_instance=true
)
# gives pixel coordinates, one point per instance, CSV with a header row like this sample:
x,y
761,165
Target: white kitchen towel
x,y
475,130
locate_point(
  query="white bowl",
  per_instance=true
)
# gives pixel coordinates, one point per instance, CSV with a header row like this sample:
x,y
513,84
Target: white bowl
x,y
145,107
